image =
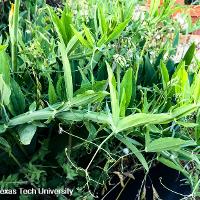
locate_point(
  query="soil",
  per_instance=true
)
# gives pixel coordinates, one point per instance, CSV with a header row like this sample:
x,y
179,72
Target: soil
x,y
161,183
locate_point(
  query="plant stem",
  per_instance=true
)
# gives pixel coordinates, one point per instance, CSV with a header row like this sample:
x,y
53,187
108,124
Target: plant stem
x,y
99,147
14,36
80,55
15,159
118,80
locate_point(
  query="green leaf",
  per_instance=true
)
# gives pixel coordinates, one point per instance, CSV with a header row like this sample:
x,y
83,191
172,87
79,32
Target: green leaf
x,y
117,30
60,88
182,86
66,19
33,106
127,85
165,75
141,119
187,155
17,99
51,92
185,110
71,45
89,36
97,86
189,54
123,103
102,21
134,150
4,66
171,164
5,144
102,40
165,144
91,129
150,73
67,72
154,128
5,92
26,133
195,88
154,7
186,124
175,44
59,26
3,48
113,94
129,11
197,129
71,173
84,42
88,97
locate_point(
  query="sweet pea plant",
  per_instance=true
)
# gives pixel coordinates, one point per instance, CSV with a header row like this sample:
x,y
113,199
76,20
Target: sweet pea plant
x,y
91,88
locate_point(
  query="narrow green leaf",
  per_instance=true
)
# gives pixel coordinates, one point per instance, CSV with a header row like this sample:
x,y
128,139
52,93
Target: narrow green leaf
x,y
67,72
127,85
26,133
186,124
102,40
97,86
118,30
123,103
171,164
134,150
91,129
164,144
59,26
33,106
3,48
5,92
5,144
189,54
87,98
5,67
153,128
197,129
102,21
150,73
113,94
60,88
51,92
89,36
185,110
129,12
84,42
182,86
71,45
141,119
66,19
195,88
154,7
165,74
17,100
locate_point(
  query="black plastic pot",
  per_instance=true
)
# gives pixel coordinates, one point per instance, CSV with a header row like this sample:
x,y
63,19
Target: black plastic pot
x,y
168,183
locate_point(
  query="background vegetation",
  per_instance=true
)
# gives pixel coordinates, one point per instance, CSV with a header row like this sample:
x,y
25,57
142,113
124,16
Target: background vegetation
x,y
88,88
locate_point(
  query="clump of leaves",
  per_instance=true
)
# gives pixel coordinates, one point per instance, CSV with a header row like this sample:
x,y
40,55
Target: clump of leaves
x,y
91,94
